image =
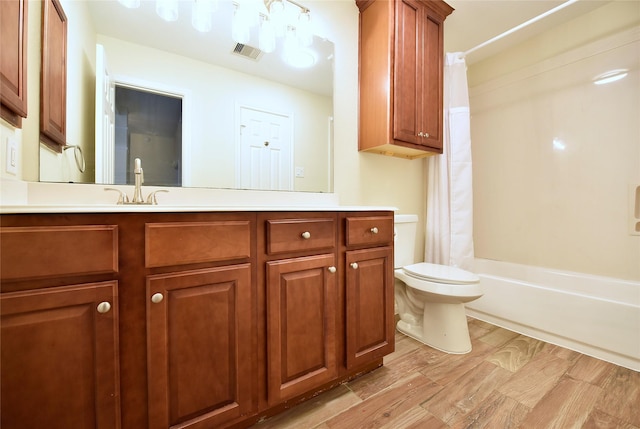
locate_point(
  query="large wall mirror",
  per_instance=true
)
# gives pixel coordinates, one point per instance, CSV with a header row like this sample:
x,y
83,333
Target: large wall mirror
x,y
235,117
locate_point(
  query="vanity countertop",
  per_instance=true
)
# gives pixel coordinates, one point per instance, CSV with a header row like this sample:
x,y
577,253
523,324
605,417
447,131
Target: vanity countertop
x,y
131,208
34,197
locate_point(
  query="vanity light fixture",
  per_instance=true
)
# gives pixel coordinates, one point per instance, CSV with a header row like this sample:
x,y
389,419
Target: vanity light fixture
x,y
167,9
610,76
131,4
275,18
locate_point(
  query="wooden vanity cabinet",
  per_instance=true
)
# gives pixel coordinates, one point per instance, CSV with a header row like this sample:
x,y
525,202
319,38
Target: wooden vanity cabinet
x,y
59,324
13,61
201,320
187,320
401,76
367,241
300,296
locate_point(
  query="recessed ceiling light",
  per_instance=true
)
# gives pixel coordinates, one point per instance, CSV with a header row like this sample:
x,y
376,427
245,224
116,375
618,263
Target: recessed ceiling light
x,y
610,76
301,58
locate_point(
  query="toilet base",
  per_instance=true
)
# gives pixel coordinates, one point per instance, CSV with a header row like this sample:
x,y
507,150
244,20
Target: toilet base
x,y
444,327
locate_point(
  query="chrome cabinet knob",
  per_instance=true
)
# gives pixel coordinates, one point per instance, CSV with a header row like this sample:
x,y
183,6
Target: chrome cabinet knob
x,y
306,235
104,307
374,230
157,298
354,265
332,269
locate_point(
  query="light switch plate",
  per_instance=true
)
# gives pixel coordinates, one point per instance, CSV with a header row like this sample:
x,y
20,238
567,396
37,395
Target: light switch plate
x,y
11,159
299,171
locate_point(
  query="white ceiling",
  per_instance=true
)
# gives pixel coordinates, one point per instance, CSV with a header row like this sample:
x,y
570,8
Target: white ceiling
x,y
476,21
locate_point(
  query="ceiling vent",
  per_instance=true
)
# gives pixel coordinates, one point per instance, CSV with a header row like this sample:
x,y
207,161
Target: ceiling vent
x,y
247,51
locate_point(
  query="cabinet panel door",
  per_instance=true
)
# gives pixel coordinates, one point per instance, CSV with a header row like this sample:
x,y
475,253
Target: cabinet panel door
x,y
407,81
59,358
369,301
13,61
200,338
301,325
53,79
432,78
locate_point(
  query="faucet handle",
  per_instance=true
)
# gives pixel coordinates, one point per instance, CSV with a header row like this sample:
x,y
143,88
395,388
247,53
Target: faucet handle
x,y
151,199
122,197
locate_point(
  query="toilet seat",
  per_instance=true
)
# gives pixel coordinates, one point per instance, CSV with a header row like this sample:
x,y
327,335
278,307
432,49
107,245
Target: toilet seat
x,y
440,274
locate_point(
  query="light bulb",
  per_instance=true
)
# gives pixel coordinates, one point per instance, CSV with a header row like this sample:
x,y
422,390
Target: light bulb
x,y
167,9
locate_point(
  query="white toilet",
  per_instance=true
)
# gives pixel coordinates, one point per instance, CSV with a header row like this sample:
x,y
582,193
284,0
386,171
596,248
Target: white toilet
x,y
430,298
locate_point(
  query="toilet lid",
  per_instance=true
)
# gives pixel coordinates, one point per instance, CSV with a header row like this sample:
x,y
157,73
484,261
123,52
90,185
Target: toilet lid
x,y
441,273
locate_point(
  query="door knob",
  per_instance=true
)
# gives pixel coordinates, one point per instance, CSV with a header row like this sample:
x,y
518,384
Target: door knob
x,y
104,307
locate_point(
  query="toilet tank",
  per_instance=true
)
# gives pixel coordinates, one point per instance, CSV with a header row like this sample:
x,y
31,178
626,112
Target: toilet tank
x,y
404,239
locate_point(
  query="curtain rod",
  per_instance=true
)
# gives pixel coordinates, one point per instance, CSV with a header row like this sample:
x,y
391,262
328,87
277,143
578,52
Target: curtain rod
x,y
518,27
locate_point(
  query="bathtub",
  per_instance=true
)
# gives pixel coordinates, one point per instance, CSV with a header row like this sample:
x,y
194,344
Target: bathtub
x,y
597,316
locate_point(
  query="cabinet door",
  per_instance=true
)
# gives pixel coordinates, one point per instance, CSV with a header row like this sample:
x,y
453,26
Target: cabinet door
x,y
59,358
407,84
200,337
53,78
13,61
418,75
369,302
301,325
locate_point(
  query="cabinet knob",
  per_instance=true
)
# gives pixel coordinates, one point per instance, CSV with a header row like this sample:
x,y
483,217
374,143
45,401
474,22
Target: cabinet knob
x,y
374,230
354,265
332,269
104,307
306,235
425,135
157,298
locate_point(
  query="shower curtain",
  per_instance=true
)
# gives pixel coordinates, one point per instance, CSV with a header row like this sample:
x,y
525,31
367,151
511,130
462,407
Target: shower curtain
x,y
449,228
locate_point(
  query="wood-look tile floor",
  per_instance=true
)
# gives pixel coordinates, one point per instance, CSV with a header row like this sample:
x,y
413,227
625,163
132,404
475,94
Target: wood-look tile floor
x,y
507,381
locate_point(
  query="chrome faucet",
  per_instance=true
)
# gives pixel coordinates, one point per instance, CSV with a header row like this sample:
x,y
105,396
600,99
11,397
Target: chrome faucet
x,y
137,192
139,180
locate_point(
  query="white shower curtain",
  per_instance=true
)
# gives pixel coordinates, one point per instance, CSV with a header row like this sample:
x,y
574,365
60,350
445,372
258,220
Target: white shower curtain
x,y
449,228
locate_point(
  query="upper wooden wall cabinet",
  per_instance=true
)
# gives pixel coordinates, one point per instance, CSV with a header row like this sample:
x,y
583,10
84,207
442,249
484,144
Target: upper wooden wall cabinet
x,y
13,61
53,86
401,76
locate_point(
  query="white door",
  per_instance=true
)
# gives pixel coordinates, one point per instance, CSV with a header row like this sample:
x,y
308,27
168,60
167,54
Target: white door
x,y
105,119
265,150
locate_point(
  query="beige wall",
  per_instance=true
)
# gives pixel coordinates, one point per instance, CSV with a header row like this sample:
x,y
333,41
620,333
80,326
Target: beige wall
x,y
554,155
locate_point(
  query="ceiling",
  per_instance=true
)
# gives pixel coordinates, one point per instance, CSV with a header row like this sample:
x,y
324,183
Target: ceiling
x,y
476,21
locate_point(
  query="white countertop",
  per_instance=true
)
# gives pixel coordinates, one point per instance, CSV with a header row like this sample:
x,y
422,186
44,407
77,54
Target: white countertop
x,y
19,197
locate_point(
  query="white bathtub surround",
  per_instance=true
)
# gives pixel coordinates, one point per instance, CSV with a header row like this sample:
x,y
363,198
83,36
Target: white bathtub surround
x,y
597,316
449,228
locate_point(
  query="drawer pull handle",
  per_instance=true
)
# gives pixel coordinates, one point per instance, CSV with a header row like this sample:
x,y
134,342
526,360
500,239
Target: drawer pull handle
x,y
354,265
332,269
374,230
104,307
157,298
306,235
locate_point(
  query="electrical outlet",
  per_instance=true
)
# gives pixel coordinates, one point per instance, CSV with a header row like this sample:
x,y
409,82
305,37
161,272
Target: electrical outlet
x,y
12,156
299,171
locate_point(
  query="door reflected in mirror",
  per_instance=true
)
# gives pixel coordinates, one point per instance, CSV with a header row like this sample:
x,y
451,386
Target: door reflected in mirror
x,y
215,86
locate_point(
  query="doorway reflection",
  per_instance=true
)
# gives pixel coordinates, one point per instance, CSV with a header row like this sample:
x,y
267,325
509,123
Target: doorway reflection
x,y
148,125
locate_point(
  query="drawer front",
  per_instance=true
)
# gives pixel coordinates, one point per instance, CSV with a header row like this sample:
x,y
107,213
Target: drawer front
x,y
177,243
53,251
293,235
370,230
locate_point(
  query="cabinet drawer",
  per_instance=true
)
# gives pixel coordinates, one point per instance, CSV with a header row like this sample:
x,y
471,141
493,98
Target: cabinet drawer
x,y
53,251
291,235
176,243
369,230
